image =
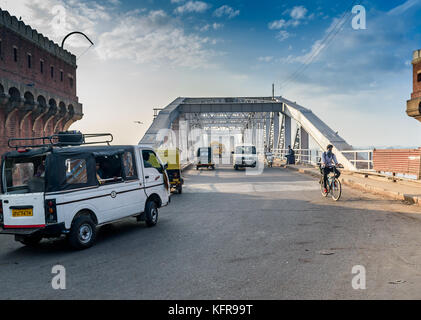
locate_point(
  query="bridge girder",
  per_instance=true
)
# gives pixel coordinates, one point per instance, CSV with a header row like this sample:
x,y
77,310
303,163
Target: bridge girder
x,y
248,113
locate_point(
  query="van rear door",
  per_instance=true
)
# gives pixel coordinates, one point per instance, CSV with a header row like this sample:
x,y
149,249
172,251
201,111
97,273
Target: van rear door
x,y
23,210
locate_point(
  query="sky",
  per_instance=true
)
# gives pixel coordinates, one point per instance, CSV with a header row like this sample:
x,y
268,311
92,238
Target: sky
x,y
149,52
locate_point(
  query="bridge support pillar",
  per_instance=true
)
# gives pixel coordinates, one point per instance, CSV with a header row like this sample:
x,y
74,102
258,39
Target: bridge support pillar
x,y
304,144
275,141
287,126
268,132
304,141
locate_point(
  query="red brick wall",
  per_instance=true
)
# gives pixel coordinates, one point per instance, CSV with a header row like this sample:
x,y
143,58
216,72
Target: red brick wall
x,y
18,124
416,84
398,160
19,71
13,128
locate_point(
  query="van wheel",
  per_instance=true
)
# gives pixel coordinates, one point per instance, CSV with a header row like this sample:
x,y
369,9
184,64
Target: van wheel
x,y
83,233
151,213
30,241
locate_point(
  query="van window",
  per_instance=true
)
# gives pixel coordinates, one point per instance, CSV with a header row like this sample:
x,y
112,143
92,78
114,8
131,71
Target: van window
x,y
25,175
129,166
109,169
246,149
150,160
76,171
22,173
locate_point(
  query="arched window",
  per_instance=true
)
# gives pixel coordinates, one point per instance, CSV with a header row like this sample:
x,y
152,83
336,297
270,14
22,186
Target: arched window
x,y
14,94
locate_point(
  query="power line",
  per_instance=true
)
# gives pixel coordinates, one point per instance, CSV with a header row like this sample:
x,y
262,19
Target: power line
x,y
327,39
80,56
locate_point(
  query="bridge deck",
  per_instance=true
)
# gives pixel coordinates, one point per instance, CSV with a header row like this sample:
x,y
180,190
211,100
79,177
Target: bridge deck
x,y
233,236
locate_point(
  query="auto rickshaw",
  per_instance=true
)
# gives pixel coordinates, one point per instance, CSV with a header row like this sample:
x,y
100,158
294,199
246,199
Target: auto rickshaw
x,y
204,158
172,158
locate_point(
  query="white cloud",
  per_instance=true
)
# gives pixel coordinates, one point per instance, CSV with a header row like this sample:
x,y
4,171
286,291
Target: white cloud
x,y
298,12
154,38
277,24
265,59
217,26
192,6
207,27
282,35
404,7
151,37
226,10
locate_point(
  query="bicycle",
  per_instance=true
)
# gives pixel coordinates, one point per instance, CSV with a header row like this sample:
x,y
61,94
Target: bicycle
x,y
333,185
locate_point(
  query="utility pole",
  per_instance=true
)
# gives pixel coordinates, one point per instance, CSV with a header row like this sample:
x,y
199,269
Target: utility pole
x,y
273,91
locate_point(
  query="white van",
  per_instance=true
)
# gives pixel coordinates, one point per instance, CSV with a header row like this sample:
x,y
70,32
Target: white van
x,y
57,189
244,156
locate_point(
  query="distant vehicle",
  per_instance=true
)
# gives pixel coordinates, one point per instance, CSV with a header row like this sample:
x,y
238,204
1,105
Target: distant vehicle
x,y
269,159
62,187
244,156
204,158
172,158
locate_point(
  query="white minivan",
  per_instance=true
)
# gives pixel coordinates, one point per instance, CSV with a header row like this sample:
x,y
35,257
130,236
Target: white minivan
x,y
244,156
57,189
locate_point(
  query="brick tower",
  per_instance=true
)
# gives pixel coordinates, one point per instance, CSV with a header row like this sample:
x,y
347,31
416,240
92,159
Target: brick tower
x,y
413,106
37,83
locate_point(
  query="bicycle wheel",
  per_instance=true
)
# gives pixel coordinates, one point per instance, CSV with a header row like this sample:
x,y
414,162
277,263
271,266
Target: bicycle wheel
x,y
322,188
336,190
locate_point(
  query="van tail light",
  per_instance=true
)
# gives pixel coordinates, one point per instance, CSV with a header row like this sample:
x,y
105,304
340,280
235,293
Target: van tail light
x,y
50,211
1,211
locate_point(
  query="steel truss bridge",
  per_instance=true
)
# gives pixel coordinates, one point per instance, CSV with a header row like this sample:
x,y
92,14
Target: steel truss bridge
x,y
242,115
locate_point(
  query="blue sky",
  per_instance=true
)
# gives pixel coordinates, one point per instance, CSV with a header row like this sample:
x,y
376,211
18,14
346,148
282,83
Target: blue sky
x,y
149,52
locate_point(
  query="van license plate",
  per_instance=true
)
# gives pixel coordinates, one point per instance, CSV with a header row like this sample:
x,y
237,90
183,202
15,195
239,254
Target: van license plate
x,y
22,213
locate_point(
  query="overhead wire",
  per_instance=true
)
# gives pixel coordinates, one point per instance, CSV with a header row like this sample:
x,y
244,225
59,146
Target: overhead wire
x,y
324,43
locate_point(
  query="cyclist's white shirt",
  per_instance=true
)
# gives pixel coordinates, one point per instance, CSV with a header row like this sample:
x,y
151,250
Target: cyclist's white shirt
x,y
328,161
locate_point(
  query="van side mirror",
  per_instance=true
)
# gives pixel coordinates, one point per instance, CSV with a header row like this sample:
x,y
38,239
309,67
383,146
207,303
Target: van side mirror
x,y
232,152
166,166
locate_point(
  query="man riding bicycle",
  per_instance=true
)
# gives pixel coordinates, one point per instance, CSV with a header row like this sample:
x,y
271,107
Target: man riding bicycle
x,y
329,163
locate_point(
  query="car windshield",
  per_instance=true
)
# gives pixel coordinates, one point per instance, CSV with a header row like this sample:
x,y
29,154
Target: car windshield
x,y
246,149
24,175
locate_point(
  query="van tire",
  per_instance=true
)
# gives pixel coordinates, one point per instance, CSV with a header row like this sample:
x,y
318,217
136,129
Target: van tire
x,y
82,235
151,213
30,241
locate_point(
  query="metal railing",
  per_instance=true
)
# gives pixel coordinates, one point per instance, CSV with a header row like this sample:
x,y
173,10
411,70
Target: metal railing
x,y
362,160
302,156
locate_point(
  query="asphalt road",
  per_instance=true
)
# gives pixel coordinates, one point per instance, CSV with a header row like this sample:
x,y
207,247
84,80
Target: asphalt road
x,y
232,236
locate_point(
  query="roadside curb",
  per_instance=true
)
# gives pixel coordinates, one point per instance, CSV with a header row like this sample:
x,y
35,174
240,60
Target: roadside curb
x,y
395,195
302,170
413,199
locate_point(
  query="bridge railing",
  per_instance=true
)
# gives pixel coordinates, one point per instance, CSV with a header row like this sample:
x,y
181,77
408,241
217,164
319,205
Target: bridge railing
x,y
361,159
302,156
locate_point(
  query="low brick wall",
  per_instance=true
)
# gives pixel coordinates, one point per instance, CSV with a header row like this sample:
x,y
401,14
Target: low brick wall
x,y
404,161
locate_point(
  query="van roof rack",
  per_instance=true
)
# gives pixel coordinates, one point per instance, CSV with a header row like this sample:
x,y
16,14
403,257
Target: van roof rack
x,y
61,139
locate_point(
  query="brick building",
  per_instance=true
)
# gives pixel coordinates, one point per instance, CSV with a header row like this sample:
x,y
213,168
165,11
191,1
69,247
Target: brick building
x,y
37,83
413,106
